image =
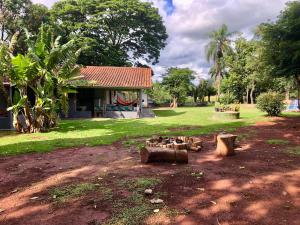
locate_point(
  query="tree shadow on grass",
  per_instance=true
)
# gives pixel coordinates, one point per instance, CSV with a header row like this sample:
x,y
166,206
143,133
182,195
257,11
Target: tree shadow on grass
x,y
167,113
92,133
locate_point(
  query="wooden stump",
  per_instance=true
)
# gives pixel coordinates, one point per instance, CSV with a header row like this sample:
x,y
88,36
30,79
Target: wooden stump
x,y
225,144
149,155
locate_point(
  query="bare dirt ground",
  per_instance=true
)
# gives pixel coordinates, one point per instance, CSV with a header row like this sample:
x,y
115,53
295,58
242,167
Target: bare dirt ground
x,y
260,185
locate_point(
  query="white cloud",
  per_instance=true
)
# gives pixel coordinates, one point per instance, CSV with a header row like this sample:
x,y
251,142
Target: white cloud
x,y
192,20
48,3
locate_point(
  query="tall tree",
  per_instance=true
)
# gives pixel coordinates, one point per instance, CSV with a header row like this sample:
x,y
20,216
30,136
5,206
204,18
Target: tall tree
x,y
159,94
239,79
178,82
17,15
118,32
281,43
218,46
37,14
12,13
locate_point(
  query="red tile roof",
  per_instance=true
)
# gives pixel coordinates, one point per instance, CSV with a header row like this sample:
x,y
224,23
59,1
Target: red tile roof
x,y
117,77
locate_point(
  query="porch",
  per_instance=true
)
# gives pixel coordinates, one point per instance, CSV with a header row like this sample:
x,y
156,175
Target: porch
x,y
94,102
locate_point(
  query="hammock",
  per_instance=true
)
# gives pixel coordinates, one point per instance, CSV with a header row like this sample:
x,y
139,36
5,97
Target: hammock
x,y
120,101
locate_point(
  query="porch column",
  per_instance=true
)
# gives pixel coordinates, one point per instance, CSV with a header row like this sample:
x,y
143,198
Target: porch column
x,y
107,97
141,99
10,113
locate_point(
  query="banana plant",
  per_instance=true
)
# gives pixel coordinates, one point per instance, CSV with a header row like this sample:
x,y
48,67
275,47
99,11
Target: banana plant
x,y
47,69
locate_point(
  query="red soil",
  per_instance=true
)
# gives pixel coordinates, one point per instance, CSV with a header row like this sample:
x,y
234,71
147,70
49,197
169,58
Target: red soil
x,y
259,185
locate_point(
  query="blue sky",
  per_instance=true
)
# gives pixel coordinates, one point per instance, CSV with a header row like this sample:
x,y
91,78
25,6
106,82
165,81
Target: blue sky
x,y
169,7
189,22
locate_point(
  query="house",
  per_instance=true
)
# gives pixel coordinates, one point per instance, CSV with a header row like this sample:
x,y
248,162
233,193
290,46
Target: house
x,y
113,92
5,117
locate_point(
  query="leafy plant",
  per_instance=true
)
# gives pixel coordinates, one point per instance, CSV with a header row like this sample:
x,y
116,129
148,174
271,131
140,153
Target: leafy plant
x,y
227,98
271,103
224,107
46,68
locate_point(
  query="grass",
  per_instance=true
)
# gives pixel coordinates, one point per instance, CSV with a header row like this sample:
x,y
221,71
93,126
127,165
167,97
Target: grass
x,y
277,142
136,207
93,132
62,194
131,215
294,150
139,184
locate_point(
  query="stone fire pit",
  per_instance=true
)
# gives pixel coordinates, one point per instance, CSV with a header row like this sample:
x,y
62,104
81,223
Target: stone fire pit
x,y
177,143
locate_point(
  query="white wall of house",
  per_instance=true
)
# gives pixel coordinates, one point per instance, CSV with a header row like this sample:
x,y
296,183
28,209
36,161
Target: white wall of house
x,y
145,100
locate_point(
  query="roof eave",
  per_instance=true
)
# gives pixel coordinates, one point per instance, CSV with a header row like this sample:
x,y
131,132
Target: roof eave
x,y
106,87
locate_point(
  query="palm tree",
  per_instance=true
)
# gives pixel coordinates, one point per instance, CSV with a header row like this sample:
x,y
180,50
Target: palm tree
x,y
216,49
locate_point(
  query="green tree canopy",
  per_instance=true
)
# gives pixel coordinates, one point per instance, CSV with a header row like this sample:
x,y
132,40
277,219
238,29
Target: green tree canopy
x,y
15,15
281,43
118,32
178,82
159,94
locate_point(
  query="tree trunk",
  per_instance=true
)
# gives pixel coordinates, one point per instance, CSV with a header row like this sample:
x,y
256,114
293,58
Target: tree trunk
x,y
225,144
208,98
28,118
27,114
219,86
247,95
149,155
287,93
251,94
174,103
195,98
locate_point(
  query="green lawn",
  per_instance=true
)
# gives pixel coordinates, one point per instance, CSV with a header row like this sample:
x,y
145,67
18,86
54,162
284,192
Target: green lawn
x,y
94,132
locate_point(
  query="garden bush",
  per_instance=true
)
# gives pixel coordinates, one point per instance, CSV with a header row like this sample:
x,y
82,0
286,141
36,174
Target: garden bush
x,y
227,99
271,103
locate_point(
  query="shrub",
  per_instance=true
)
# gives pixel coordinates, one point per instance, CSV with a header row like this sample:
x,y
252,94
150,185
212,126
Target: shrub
x,y
271,103
225,108
227,98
